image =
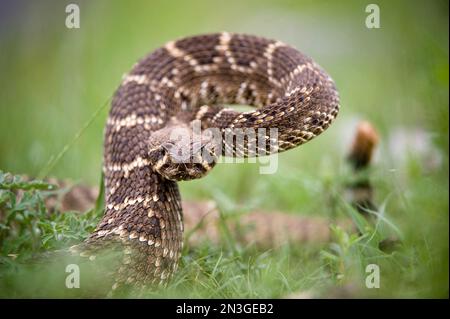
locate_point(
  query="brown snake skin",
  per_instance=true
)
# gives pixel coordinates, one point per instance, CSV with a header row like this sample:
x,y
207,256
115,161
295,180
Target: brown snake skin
x,y
185,81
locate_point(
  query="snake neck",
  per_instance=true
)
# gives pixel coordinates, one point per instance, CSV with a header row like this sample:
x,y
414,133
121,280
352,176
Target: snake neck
x,y
143,214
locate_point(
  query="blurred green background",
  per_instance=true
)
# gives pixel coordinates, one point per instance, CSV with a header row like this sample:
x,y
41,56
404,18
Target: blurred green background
x,y
54,79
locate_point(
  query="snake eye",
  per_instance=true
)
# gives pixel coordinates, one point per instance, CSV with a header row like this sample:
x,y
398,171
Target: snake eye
x,y
167,146
156,154
208,154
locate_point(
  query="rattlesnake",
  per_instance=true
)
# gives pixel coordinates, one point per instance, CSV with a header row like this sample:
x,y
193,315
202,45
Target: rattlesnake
x,y
179,84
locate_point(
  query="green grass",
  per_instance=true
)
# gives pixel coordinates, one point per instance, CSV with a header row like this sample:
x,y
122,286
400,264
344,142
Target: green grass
x,y
54,80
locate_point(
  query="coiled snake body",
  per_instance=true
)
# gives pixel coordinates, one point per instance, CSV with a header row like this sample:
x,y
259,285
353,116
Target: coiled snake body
x,y
183,82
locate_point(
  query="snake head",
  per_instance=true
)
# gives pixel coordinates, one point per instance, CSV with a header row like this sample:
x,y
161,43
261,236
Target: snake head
x,y
184,155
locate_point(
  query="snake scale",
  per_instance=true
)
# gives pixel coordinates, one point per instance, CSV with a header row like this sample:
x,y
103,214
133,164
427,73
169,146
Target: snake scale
x,y
189,81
